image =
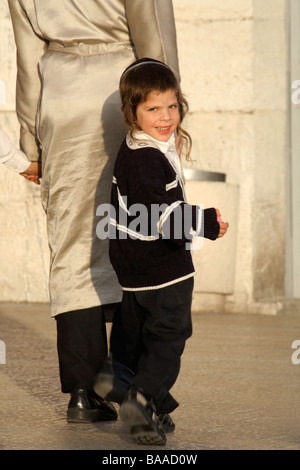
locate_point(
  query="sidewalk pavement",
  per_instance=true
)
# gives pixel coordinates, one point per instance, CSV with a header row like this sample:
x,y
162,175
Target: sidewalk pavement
x,y
239,387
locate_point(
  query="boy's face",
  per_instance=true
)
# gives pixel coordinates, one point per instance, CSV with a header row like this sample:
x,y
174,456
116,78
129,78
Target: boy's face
x,y
158,116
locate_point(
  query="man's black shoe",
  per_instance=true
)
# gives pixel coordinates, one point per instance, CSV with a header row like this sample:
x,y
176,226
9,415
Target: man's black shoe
x,y
138,412
85,406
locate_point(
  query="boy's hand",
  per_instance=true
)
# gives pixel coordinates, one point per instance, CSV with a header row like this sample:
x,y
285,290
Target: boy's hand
x,y
33,172
223,225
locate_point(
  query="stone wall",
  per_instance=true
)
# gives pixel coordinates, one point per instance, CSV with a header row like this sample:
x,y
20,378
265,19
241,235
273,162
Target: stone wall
x,y
24,253
233,66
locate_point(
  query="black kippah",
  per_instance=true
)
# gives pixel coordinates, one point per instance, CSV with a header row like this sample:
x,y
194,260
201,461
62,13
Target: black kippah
x,y
143,61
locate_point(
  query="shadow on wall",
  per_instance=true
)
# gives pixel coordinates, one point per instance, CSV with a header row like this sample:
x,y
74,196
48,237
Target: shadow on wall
x,y
114,131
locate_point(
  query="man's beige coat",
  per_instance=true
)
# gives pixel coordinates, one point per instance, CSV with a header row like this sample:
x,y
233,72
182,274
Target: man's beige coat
x,y
70,56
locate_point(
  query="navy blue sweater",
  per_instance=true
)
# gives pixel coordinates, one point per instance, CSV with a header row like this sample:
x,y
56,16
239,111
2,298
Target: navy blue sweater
x,y
151,224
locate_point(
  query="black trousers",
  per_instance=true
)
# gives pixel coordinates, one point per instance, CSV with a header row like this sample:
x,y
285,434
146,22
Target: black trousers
x,y
81,346
149,335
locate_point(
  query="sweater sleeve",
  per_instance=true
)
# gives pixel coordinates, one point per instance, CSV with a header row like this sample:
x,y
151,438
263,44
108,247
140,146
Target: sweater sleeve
x,y
160,201
211,225
173,218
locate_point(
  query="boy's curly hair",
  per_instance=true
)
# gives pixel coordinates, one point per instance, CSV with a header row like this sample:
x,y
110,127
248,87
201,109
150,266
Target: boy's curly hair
x,y
143,77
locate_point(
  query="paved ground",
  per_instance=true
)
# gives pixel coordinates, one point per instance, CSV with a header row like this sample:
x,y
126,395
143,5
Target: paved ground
x,y
238,388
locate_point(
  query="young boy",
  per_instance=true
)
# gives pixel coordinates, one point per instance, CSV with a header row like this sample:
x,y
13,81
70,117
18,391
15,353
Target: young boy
x,y
151,228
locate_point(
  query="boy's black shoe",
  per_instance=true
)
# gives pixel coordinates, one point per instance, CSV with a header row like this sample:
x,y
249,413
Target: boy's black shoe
x,y
167,423
112,384
139,413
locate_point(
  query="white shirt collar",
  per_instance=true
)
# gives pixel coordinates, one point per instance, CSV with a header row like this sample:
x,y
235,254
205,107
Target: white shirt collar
x,y
139,139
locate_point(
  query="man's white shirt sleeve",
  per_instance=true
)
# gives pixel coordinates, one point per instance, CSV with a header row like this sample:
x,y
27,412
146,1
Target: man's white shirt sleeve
x,y
10,156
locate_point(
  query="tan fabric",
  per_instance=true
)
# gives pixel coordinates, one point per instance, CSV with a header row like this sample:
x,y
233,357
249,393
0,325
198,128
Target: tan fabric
x,y
80,49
